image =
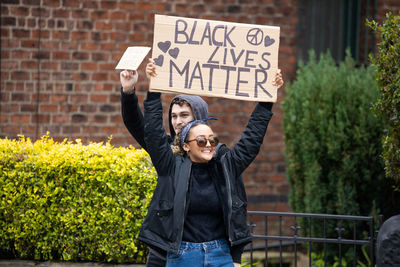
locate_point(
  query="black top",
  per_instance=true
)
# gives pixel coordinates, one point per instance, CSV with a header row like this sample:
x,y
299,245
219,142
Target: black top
x,y
204,219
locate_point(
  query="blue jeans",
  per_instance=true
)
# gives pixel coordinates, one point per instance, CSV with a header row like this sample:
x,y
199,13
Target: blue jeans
x,y
210,254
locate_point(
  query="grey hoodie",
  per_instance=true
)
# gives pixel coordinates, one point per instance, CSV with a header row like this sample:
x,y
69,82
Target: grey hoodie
x,y
198,105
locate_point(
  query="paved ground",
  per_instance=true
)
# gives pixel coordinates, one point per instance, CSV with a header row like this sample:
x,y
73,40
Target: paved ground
x,y
21,263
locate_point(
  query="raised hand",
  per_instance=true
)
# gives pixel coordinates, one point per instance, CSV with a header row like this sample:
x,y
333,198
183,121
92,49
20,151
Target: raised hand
x,y
278,79
128,80
151,69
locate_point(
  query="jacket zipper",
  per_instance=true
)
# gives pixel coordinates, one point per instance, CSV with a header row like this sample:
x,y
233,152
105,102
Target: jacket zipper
x,y
229,203
184,209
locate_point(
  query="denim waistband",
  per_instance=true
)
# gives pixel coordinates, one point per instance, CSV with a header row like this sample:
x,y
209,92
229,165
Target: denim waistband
x,y
204,245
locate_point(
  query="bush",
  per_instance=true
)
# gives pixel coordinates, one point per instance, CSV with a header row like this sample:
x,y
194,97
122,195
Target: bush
x,y
68,201
333,139
388,105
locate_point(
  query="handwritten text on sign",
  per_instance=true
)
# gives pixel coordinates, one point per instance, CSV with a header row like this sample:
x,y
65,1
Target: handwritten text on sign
x,y
215,58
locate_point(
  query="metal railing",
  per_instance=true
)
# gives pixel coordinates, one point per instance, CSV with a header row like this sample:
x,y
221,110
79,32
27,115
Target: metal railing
x,y
319,238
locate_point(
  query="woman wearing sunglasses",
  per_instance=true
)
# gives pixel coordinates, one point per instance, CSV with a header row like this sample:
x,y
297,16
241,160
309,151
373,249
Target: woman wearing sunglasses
x,y
198,210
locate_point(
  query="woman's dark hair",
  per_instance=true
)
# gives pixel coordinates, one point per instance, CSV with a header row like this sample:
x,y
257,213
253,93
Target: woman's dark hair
x,y
177,147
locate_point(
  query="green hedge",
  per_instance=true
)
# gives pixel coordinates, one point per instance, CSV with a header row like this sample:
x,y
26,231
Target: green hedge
x,y
387,63
68,201
333,139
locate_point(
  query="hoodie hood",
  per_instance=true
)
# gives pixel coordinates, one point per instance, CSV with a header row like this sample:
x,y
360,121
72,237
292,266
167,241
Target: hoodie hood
x,y
198,105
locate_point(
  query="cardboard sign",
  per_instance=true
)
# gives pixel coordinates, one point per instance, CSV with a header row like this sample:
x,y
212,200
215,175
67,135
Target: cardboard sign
x,y
132,58
215,58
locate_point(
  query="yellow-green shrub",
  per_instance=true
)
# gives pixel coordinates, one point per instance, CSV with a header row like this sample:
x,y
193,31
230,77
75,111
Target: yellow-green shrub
x,y
69,201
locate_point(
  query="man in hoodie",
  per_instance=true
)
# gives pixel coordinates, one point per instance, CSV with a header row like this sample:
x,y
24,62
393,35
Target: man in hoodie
x,y
183,109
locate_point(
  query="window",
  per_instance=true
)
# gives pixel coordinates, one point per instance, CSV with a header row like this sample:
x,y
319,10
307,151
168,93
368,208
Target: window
x,y
335,25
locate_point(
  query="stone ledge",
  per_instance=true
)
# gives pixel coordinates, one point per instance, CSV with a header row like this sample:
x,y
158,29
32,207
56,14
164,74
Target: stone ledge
x,y
25,263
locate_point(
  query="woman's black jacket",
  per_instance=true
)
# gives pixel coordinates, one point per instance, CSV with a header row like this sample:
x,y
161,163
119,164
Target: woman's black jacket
x,y
163,225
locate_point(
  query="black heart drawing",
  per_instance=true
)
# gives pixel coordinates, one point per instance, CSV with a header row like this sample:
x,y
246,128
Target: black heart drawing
x,y
174,52
164,46
268,41
159,60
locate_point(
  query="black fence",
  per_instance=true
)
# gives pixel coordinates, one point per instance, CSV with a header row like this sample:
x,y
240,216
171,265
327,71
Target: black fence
x,y
302,239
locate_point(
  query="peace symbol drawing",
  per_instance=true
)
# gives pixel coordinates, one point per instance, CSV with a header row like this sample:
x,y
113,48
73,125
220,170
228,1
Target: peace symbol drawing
x,y
255,36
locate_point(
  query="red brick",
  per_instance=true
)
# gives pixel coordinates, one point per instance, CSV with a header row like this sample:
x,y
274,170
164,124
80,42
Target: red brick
x,y
19,118
59,55
90,4
44,98
71,129
145,6
89,66
89,108
99,14
118,15
60,118
48,108
106,66
29,64
108,86
110,46
109,130
79,118
80,55
99,36
90,46
62,35
30,43
20,75
40,12
40,118
49,65
98,119
31,23
91,129
102,25
98,98
31,2
122,26
41,55
80,14
43,34
136,16
28,129
8,21
129,5
19,11
3,118
79,98
108,5
59,98
52,3
7,130
9,64
118,36
100,56
5,33
79,35
10,108
72,3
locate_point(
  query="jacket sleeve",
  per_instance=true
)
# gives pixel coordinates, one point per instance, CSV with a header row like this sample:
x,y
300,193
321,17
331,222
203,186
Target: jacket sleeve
x,y
248,146
157,140
133,117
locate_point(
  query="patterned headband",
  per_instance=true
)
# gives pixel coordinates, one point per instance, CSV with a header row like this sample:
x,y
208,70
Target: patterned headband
x,y
188,126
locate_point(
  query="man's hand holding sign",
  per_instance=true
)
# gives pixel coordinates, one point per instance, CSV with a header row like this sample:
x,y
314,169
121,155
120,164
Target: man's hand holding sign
x,y
214,58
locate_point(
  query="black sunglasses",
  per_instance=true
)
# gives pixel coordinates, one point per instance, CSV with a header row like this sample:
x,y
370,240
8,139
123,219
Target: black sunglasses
x,y
202,141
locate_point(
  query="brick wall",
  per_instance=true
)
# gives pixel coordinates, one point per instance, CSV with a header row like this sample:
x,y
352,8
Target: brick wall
x,y
57,73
